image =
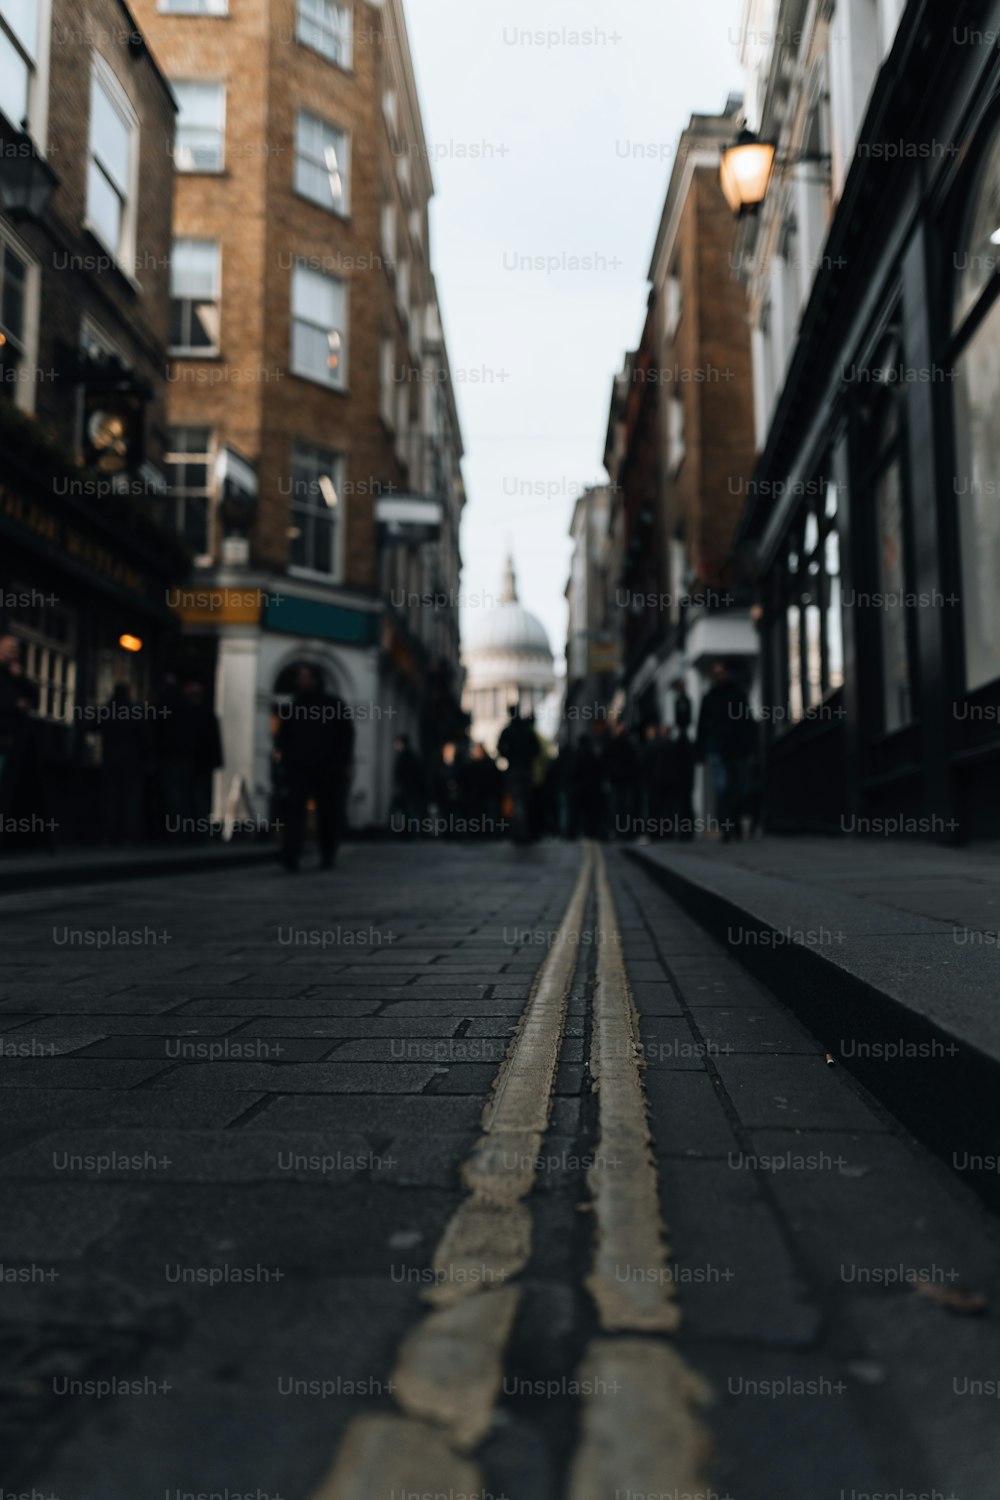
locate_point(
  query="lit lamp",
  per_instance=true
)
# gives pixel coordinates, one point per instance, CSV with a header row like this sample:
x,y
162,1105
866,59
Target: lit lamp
x,y
130,643
746,172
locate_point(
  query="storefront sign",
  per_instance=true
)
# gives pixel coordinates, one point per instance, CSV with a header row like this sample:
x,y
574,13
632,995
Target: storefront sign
x,y
329,622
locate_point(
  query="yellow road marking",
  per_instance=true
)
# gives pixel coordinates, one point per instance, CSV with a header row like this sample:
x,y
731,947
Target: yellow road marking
x,y
630,1281
450,1368
641,1429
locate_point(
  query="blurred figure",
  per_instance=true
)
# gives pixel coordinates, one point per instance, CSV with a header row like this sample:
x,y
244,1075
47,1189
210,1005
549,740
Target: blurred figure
x,y
484,790
175,758
723,723
315,743
18,694
449,787
621,770
518,744
654,768
408,799
205,738
586,792
126,758
683,763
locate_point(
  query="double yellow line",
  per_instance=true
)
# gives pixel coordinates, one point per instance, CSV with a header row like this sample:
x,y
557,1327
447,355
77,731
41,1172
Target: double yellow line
x,y
640,1427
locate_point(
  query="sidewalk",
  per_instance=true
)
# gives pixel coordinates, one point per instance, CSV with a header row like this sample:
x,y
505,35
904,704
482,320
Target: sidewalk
x,y
28,871
889,953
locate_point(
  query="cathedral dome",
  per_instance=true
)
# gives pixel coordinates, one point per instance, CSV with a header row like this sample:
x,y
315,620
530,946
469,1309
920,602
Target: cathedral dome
x,y
508,626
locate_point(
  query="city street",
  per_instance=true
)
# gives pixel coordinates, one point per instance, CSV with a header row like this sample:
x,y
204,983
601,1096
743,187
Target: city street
x,y
465,1169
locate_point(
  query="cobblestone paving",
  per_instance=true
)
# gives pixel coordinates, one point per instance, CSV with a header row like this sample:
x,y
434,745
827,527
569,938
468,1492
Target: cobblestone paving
x,y
233,1109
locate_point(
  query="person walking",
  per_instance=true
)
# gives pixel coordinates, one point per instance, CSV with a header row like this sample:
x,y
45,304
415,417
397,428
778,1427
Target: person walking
x,y
682,763
723,722
315,743
518,744
586,792
205,737
408,790
621,768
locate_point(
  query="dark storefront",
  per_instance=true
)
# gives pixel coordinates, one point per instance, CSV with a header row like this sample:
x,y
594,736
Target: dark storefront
x,y
84,590
878,542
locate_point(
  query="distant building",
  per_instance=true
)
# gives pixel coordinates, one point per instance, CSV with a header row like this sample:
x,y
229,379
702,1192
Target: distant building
x,y
86,124
315,450
593,649
508,662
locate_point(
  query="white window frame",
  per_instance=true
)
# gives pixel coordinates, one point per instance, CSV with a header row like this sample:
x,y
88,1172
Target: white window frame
x,y
387,369
340,384
217,83
344,168
388,232
339,41
185,351
37,67
317,505
173,456
676,432
103,76
194,8
27,380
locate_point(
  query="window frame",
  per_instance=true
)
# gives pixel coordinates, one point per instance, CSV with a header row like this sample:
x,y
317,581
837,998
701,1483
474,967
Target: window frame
x,y
173,457
302,22
340,385
103,77
211,8
344,211
314,505
188,351
204,83
25,343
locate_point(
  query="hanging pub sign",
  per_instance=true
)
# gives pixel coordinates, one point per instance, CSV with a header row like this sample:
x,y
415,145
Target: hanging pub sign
x,y
113,429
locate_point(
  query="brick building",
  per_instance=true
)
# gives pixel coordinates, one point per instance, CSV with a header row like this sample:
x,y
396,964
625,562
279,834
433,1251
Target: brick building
x,y
315,445
685,443
86,122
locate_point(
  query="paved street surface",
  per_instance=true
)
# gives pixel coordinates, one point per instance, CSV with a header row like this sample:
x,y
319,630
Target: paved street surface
x,y
263,1237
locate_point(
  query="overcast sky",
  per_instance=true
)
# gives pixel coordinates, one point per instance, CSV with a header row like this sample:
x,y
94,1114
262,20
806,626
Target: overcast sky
x,y
559,150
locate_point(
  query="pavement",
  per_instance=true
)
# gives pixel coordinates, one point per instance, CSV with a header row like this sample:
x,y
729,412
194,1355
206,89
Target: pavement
x,y
267,1233
29,870
888,951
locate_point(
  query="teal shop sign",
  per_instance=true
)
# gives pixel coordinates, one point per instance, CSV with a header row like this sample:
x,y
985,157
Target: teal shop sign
x,y
330,622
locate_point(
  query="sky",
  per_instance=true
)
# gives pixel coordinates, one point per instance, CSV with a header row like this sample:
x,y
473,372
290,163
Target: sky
x,y
551,126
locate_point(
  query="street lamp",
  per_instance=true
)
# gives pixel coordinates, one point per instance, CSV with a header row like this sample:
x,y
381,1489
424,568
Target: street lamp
x,y
27,182
745,172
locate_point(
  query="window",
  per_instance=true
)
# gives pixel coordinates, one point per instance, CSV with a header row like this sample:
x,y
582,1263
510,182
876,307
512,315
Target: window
x,y
190,463
403,287
976,324
887,489
674,302
315,515
812,603
199,143
48,651
327,28
387,375
194,7
322,163
390,110
114,132
389,232
18,54
319,327
195,276
675,432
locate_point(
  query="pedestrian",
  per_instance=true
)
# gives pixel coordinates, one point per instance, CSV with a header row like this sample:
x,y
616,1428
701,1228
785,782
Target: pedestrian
x,y
518,744
682,763
652,781
126,760
175,758
621,771
315,743
721,743
484,789
408,805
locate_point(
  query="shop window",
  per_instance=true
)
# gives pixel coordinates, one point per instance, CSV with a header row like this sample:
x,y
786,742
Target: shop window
x,y
814,645
47,632
976,325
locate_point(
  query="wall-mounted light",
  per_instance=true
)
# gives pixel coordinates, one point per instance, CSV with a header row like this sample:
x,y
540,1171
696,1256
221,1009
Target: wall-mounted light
x,y
747,166
130,643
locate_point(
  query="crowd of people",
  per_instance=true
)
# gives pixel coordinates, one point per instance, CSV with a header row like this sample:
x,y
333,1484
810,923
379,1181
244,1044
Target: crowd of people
x,y
615,782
